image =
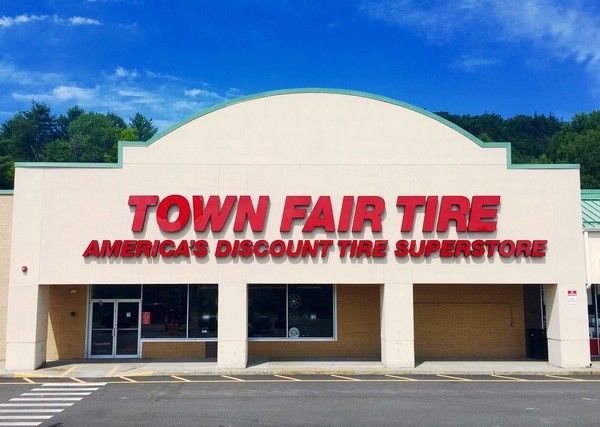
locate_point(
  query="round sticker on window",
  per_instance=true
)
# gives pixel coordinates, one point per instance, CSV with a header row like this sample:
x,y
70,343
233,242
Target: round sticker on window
x,y
294,333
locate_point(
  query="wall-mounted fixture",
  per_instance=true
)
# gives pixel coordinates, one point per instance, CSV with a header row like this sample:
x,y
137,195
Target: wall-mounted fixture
x,y
24,269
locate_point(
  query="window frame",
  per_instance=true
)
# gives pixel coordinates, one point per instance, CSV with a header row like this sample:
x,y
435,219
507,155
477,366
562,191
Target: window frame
x,y
187,317
299,339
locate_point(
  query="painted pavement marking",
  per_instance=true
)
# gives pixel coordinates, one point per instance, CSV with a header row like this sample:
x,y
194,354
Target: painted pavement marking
x,y
564,378
345,378
19,423
67,389
68,371
508,378
112,371
453,378
185,380
233,378
287,378
53,392
401,378
42,403
25,417
45,399
13,405
83,384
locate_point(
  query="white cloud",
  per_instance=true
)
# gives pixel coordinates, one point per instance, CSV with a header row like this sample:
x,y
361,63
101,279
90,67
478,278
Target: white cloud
x,y
68,93
11,74
192,92
122,72
79,20
161,75
471,63
7,21
233,92
164,98
202,92
80,95
560,29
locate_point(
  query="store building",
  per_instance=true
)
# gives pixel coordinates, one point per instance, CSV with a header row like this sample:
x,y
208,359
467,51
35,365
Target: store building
x,y
305,224
590,207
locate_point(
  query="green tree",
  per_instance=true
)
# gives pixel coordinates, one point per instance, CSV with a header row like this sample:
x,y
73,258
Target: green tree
x,y
27,132
91,136
143,127
59,150
579,142
64,120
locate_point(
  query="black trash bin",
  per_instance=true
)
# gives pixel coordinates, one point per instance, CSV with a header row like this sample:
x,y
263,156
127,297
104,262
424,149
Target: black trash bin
x,y
537,344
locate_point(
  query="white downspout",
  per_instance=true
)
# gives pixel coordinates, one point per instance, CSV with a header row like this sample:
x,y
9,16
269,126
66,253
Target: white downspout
x,y
586,248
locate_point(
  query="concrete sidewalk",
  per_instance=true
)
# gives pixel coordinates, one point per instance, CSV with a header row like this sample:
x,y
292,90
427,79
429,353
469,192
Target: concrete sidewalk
x,y
160,367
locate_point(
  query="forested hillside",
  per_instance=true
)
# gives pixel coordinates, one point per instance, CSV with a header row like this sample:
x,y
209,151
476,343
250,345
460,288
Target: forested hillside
x,y
542,139
37,135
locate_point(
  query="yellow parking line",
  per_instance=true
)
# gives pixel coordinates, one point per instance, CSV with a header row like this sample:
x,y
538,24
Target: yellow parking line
x,y
564,378
508,378
345,378
400,378
287,378
181,379
128,379
28,380
453,378
68,371
233,378
112,371
25,376
77,380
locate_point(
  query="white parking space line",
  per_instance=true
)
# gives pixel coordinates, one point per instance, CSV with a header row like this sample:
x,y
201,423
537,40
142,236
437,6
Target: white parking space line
x,y
19,423
32,410
50,393
73,384
43,399
25,417
12,405
66,389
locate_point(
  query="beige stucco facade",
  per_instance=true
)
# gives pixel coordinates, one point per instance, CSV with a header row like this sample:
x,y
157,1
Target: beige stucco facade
x,y
310,143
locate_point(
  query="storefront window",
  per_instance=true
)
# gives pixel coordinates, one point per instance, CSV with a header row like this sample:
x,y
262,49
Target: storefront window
x,y
164,311
266,311
168,311
310,311
203,311
291,311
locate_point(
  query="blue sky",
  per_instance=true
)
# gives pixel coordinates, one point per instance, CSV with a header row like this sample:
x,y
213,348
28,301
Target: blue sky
x,y
169,59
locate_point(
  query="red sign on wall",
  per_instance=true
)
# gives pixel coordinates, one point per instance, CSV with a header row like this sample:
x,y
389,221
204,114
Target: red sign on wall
x,y
145,318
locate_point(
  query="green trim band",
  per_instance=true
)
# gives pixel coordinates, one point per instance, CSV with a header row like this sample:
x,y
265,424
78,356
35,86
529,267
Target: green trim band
x,y
590,194
226,104
7,192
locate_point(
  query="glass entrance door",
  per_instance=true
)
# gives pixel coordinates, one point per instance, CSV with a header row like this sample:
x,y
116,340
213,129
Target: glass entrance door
x,y
114,329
